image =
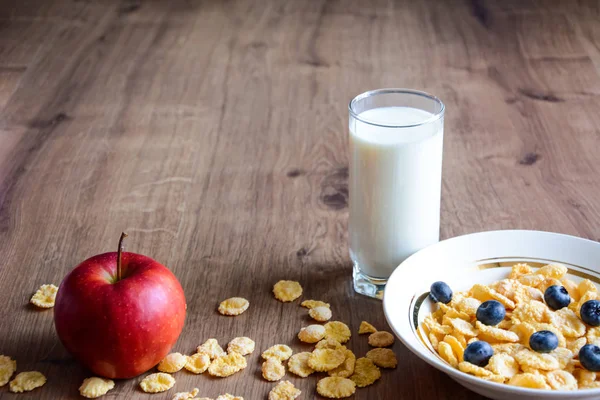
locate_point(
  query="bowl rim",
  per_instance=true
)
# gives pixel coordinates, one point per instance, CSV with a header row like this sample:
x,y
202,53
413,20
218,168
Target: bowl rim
x,y
462,376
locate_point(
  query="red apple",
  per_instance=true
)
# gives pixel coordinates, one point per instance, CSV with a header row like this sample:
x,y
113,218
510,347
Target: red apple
x,y
119,313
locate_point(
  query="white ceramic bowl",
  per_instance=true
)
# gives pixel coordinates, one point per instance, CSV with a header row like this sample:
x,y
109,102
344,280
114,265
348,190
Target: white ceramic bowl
x,y
481,258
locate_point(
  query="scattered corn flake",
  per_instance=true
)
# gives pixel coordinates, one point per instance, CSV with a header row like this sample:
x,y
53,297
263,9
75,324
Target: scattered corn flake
x,y
346,368
385,358
532,280
172,363
157,382
505,324
279,351
452,313
298,364
186,395
320,314
284,390
529,380
524,294
497,334
576,344
197,363
504,365
571,287
555,271
243,345
468,305
27,381
95,387
212,348
531,359
494,378
461,339
532,311
287,291
335,387
563,356
227,365
463,327
485,293
233,306
524,331
366,327
518,270
568,323
435,326
507,348
586,286
473,369
8,367
329,343
445,351
45,296
381,339
326,359
435,341
457,348
312,333
228,396
272,370
337,330
314,303
561,380
365,372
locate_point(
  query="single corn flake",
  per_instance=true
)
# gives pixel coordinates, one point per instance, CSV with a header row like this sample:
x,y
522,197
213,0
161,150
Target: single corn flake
x,y
546,283
197,363
504,365
284,390
335,387
273,370
287,291
571,288
561,380
326,359
593,336
329,343
320,314
337,330
473,369
490,332
298,364
45,296
227,365
346,368
529,380
156,383
381,339
228,396
576,344
365,372
243,345
485,293
566,321
532,280
279,351
212,348
507,348
314,303
172,363
384,358
95,387
312,333
463,327
27,381
435,326
531,359
366,327
8,367
584,377
563,356
435,340
468,305
186,395
520,269
533,311
457,347
555,271
586,286
445,351
233,306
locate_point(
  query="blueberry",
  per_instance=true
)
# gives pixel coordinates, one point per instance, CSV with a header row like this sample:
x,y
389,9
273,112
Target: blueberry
x,y
491,312
590,312
543,341
440,292
478,353
589,356
557,297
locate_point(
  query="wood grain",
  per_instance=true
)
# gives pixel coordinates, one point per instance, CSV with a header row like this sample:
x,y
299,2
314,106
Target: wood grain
x,y
215,133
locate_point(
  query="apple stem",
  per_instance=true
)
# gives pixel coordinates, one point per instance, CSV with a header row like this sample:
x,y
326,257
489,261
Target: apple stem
x,y
119,252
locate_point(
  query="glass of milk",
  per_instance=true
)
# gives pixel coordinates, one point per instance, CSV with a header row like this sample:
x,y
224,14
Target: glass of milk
x,y
396,138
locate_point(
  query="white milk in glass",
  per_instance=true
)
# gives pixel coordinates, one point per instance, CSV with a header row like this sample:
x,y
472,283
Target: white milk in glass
x,y
395,184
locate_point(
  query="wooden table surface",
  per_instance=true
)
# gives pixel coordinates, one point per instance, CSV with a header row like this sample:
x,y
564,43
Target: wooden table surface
x,y
215,134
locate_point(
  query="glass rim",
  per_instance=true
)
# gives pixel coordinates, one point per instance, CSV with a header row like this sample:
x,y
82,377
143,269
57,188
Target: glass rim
x,y
376,92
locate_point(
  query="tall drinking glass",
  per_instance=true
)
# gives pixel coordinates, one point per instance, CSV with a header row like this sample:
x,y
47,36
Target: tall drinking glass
x,y
396,140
